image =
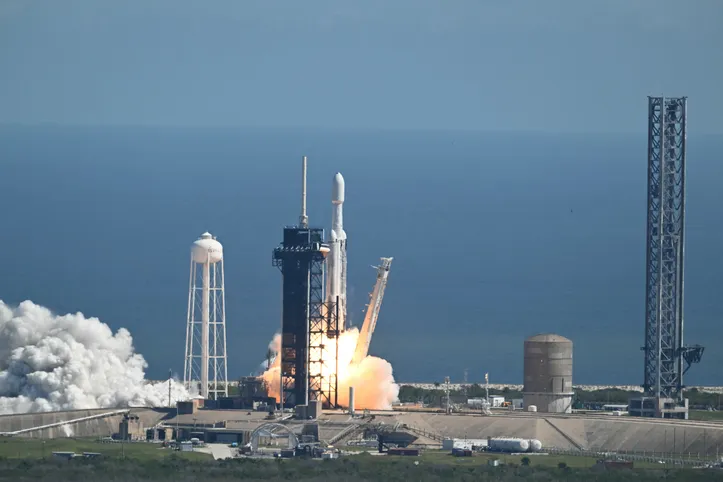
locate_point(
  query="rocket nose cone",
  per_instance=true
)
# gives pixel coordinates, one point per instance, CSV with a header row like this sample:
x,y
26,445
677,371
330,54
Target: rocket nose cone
x,y
337,189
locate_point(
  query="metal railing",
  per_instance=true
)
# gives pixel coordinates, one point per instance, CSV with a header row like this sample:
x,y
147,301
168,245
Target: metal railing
x,y
349,431
684,460
424,433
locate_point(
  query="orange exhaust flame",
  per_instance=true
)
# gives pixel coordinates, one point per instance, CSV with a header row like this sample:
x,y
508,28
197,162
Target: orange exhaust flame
x,y
372,378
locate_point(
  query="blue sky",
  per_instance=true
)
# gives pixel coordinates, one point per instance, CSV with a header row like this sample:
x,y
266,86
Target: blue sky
x,y
557,66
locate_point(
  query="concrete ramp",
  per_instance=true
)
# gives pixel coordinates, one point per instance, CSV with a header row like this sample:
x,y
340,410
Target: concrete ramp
x,y
562,433
454,426
654,436
599,433
73,423
220,451
420,422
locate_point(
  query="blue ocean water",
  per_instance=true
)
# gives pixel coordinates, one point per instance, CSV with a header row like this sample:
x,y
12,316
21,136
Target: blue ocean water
x,y
495,237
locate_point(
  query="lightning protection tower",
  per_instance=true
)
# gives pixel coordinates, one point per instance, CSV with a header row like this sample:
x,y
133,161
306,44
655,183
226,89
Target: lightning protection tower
x,y
205,369
666,358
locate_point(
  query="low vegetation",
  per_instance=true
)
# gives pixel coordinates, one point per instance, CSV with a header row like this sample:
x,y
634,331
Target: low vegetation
x,y
365,467
706,415
31,460
436,396
29,449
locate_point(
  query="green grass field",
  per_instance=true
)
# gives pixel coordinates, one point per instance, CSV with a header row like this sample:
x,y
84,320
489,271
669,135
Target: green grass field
x,y
21,461
705,415
18,448
536,460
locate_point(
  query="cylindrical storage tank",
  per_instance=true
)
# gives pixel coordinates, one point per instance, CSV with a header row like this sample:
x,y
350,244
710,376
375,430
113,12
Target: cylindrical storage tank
x,y
548,373
511,445
535,445
207,250
351,401
532,408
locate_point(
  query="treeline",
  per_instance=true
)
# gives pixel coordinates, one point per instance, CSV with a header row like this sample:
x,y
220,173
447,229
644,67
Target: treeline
x,y
696,398
704,399
435,397
583,398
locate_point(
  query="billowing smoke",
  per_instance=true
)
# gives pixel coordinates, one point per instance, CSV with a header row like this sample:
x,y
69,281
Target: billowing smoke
x,y
50,362
271,353
372,379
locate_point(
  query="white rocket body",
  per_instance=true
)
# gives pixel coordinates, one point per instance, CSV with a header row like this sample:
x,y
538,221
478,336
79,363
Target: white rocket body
x,y
336,260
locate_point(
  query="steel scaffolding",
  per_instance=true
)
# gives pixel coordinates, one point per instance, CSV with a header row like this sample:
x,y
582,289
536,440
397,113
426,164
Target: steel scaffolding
x,y
664,351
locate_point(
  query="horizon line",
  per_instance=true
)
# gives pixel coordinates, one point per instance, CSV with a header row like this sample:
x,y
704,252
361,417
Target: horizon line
x,y
316,128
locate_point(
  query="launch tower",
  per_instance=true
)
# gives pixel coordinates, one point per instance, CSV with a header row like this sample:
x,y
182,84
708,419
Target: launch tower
x,y
205,370
666,358
307,320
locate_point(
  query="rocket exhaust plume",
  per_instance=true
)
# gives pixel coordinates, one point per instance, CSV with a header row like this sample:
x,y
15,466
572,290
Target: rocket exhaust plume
x,y
50,362
372,378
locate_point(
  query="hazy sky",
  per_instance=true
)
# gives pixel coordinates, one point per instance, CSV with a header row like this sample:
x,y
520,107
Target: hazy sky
x,y
472,64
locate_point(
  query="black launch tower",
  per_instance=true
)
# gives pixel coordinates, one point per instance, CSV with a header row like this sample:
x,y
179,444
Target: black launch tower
x,y
306,319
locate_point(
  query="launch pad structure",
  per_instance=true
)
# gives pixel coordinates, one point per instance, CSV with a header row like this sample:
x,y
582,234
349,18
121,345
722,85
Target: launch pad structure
x,y
307,319
666,357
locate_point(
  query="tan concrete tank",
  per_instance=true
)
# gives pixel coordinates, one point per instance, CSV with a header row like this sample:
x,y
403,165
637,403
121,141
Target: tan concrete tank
x,y
548,373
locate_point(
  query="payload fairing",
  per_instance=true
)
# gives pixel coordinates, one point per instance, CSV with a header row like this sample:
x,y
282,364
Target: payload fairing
x,y
336,261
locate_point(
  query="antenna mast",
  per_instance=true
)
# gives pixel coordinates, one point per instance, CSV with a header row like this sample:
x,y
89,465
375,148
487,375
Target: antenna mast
x,y
170,378
303,219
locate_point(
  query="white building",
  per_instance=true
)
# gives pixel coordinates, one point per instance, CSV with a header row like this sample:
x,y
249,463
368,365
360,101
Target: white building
x,y
495,402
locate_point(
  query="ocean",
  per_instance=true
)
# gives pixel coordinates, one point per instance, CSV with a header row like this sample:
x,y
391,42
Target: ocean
x,y
495,237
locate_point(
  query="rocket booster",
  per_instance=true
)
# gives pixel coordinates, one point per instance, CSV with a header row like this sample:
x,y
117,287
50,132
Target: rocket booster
x,y
336,260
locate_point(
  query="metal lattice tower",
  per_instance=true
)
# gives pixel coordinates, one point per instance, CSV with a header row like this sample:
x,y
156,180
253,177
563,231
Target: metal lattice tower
x,y
323,365
664,350
306,371
300,259
205,368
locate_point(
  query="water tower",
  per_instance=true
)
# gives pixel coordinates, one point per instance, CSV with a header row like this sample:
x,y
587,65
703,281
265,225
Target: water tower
x,y
205,370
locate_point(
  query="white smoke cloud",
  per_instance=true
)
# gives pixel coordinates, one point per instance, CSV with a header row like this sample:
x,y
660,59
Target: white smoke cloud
x,y
50,362
67,430
272,352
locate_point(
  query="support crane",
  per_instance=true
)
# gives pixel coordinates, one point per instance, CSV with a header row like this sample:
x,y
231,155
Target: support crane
x,y
375,304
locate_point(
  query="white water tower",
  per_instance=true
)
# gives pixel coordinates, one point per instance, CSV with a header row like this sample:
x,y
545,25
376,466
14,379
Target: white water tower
x,y
205,371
